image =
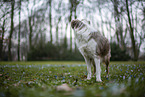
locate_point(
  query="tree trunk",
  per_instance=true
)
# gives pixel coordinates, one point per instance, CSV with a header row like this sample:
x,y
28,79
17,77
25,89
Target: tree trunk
x,y
116,18
70,39
1,40
57,30
30,26
118,23
19,30
75,18
30,33
75,13
131,33
70,18
11,31
65,38
120,32
101,21
50,21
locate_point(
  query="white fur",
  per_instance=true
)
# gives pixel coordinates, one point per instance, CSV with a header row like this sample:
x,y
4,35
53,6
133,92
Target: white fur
x,y
84,44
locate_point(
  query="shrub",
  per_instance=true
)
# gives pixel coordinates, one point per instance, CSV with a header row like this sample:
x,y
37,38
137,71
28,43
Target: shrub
x,y
117,54
49,51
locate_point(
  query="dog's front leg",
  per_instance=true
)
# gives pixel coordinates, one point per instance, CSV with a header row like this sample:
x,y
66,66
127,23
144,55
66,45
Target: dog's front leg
x,y
88,62
98,69
89,71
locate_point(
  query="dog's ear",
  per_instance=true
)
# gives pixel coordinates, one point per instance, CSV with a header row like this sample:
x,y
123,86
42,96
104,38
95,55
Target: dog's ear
x,y
86,21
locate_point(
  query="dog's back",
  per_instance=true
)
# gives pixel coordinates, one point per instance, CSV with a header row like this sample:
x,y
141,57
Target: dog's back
x,y
103,46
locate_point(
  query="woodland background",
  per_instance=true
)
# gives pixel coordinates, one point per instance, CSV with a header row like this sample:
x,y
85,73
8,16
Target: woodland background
x,y
40,29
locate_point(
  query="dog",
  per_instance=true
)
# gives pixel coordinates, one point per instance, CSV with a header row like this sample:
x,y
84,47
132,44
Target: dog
x,y
93,46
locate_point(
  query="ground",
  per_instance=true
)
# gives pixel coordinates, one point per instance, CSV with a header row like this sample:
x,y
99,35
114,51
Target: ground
x,y
40,79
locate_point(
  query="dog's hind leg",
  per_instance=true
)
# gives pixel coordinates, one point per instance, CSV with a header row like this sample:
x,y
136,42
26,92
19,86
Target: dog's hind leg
x,y
94,67
107,67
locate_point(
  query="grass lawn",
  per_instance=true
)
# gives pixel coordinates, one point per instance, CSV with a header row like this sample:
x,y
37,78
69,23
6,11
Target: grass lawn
x,y
40,79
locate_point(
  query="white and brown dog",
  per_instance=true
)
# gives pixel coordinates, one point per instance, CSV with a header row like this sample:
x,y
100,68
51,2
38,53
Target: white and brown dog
x,y
93,46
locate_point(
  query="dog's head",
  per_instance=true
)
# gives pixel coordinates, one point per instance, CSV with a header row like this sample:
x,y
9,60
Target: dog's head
x,y
79,24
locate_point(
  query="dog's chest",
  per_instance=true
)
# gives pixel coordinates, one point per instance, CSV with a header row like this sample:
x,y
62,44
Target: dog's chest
x,y
86,46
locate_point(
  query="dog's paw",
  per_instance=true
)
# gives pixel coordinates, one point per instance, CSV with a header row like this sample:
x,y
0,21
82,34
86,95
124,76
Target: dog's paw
x,y
98,80
88,78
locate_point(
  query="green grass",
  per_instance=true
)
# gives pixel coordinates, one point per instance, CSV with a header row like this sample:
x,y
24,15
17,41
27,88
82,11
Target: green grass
x,y
39,79
42,62
63,62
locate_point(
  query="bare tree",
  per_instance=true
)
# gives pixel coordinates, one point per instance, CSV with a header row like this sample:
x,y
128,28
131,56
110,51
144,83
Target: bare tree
x,y
19,31
131,32
4,11
11,31
2,32
118,14
30,19
59,19
50,19
73,7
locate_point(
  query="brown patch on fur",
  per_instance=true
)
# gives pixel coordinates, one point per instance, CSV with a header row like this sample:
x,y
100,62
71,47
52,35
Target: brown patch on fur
x,y
103,44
